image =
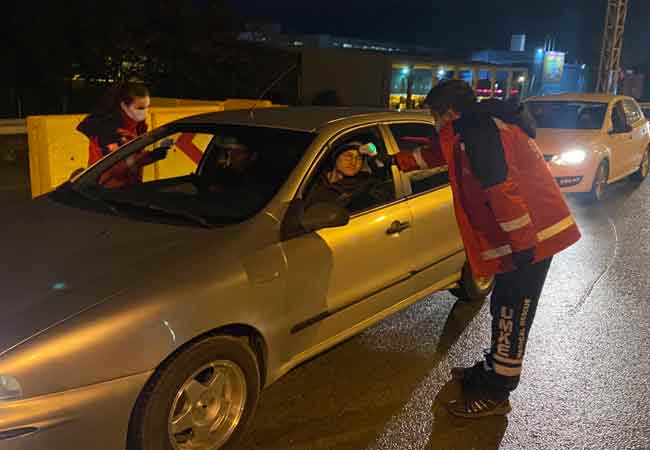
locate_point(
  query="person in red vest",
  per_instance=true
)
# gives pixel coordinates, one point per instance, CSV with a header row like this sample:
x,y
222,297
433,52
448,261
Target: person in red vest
x,y
120,118
512,218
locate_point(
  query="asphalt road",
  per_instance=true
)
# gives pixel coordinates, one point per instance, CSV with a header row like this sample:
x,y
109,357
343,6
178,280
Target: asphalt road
x,y
586,382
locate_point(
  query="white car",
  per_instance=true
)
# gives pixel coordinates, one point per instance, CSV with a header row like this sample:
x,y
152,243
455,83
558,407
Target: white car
x,y
590,140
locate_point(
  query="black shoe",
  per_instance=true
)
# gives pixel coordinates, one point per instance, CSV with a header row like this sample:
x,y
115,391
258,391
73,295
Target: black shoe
x,y
475,376
479,406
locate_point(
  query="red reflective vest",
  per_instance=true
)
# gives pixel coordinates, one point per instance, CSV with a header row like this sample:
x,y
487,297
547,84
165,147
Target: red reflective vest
x,y
524,210
106,134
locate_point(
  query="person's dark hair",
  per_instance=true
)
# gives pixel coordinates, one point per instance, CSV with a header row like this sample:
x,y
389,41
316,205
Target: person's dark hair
x,y
125,92
456,94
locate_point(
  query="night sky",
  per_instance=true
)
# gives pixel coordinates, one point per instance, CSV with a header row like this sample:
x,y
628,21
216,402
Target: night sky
x,y
460,24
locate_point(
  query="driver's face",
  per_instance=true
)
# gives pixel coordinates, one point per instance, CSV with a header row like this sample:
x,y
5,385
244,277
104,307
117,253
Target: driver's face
x,y
240,159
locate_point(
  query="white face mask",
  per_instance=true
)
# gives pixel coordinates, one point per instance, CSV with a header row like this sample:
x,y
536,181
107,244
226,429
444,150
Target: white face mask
x,y
139,115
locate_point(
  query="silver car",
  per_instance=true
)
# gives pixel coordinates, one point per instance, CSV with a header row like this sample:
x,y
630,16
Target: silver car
x,y
146,306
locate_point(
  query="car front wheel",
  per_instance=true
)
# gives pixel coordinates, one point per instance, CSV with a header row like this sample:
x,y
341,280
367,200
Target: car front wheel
x,y
599,184
203,398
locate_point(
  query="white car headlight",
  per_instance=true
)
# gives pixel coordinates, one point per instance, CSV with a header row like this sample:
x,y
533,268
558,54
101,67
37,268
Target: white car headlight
x,y
570,158
9,389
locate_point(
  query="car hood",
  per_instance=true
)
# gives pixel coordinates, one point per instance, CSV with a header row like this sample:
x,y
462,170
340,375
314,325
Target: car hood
x,y
59,261
555,141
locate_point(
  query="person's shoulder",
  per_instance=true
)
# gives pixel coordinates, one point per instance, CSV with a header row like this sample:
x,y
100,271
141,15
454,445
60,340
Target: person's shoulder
x,y
475,122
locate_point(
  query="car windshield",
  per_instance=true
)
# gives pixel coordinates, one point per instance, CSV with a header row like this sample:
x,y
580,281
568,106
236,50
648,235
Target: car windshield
x,y
201,175
568,115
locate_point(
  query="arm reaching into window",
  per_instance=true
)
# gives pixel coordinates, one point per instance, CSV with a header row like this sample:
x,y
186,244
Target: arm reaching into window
x,y
427,156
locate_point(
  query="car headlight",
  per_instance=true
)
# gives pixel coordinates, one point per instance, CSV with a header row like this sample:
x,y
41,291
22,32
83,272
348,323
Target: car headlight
x,y
9,389
570,158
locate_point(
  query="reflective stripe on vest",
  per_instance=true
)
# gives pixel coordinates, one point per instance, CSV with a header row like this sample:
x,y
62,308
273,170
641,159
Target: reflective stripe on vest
x,y
543,235
556,229
516,224
496,253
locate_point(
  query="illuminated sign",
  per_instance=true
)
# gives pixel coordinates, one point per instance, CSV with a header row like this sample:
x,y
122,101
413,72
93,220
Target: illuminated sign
x,y
553,67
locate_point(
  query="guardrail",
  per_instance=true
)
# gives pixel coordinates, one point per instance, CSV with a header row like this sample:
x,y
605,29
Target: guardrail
x,y
13,126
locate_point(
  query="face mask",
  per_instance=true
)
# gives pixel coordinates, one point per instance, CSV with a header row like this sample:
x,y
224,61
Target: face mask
x,y
139,115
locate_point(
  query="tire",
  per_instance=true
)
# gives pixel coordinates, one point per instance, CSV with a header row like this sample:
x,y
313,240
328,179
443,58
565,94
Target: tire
x,y
231,399
469,288
644,168
599,184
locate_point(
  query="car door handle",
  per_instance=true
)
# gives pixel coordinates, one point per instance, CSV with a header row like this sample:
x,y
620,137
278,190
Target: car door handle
x,y
397,227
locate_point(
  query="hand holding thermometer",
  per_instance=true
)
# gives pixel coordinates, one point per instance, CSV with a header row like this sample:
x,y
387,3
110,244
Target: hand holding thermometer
x,y
368,149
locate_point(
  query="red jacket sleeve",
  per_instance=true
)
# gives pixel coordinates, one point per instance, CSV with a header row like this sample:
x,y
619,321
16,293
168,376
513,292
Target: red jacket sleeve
x,y
427,156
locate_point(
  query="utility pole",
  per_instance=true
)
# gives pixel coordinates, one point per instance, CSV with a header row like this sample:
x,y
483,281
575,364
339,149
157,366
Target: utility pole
x,y
610,56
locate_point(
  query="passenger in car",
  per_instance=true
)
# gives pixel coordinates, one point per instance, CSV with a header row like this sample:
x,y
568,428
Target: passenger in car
x,y
346,182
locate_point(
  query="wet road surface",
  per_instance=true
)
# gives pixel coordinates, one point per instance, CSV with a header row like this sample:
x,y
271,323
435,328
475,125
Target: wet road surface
x,y
586,381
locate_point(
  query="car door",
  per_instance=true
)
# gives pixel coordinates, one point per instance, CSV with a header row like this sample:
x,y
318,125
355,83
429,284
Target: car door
x,y
620,142
436,241
333,271
639,142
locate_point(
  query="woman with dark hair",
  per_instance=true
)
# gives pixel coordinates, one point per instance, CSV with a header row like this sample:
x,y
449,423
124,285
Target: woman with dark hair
x,y
120,118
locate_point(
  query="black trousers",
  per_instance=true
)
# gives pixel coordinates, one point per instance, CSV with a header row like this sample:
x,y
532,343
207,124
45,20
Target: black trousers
x,y
513,305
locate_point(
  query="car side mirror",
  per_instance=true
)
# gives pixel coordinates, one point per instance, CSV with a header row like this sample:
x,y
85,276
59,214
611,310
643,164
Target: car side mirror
x,y
324,215
298,221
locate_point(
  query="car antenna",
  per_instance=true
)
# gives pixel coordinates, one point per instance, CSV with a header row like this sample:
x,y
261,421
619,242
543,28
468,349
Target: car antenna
x,y
271,86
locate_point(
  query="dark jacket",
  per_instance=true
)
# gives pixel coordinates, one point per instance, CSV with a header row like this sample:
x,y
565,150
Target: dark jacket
x,y
481,137
353,193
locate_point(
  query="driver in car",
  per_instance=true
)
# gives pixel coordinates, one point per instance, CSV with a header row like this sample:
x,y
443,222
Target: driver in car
x,y
232,167
346,183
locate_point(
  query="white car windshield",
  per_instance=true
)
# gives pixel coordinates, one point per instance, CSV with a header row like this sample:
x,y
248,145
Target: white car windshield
x,y
568,115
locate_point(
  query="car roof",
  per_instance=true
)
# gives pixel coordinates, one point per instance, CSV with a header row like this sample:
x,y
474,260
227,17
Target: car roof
x,y
309,119
577,97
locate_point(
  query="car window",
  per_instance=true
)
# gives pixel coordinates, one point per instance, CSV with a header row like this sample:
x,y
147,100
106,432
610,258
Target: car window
x,y
618,117
417,138
213,174
632,112
354,172
568,115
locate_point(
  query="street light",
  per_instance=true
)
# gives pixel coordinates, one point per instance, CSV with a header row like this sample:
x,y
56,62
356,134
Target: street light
x,y
522,79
